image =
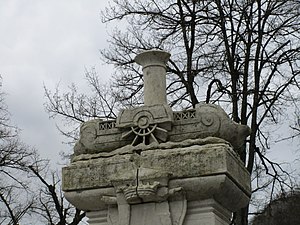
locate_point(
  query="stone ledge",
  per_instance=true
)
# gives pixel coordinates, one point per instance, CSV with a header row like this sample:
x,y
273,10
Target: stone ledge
x,y
178,163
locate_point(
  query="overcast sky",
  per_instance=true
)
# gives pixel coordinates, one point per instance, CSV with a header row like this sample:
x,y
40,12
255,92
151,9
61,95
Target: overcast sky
x,y
46,42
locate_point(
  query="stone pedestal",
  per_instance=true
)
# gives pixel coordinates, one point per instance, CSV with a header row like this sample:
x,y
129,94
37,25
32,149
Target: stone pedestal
x,y
167,184
206,212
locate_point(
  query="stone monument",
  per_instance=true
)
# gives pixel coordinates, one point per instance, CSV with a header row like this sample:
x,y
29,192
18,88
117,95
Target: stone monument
x,y
154,166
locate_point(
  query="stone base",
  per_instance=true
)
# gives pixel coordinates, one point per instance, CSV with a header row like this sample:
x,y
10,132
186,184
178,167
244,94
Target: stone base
x,y
206,212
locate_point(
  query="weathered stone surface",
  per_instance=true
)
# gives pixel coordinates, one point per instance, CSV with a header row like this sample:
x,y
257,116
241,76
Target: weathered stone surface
x,y
155,166
92,199
142,147
207,120
202,171
155,122
218,187
98,173
99,136
195,160
158,124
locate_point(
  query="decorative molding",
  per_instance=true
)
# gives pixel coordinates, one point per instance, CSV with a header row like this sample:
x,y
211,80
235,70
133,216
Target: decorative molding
x,y
107,125
141,193
185,115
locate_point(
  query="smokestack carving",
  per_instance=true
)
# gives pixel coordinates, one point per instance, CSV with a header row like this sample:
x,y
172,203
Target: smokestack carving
x,y
154,72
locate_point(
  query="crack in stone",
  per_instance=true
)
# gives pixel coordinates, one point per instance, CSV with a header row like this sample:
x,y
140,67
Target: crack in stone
x,y
137,185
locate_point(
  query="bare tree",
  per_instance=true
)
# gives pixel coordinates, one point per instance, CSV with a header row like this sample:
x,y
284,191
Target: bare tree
x,y
25,193
51,205
76,107
250,49
241,54
16,198
283,210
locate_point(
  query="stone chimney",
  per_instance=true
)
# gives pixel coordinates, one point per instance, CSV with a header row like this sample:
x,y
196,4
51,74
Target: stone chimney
x,y
154,72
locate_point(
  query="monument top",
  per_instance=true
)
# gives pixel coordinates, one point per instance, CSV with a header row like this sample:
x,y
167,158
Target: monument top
x,y
155,166
155,122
